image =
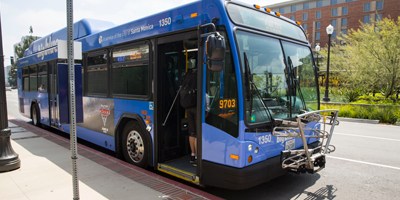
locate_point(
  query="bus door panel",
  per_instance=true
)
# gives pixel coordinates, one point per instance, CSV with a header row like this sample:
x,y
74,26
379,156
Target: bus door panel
x,y
170,72
53,106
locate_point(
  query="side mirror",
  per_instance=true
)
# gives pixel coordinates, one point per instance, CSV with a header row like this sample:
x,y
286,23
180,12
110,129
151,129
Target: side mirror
x,y
215,50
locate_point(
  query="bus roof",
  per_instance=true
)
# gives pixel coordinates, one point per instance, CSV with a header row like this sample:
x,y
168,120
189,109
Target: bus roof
x,y
82,28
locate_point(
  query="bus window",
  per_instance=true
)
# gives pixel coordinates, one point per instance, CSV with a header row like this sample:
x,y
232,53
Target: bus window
x,y
33,86
130,74
299,58
221,88
25,79
42,78
97,73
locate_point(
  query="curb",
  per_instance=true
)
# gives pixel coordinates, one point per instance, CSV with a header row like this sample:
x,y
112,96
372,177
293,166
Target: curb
x,y
365,121
168,187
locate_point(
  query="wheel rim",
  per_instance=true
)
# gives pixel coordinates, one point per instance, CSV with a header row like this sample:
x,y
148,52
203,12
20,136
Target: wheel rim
x,y
135,146
34,116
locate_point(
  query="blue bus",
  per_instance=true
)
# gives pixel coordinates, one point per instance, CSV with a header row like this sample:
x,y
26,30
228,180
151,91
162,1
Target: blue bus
x,y
254,66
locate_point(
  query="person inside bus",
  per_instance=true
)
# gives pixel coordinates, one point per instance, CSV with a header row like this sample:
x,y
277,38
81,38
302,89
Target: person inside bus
x,y
188,93
41,88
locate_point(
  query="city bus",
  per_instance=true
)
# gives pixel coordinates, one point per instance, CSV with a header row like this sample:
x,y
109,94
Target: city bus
x,y
261,118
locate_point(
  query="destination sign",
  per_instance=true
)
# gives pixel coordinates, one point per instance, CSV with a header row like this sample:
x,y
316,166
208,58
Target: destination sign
x,y
261,20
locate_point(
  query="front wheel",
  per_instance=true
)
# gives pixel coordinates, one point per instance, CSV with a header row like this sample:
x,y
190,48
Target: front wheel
x,y
35,115
134,144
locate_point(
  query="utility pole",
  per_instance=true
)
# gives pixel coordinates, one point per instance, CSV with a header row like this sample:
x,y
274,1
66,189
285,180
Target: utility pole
x,y
9,160
72,109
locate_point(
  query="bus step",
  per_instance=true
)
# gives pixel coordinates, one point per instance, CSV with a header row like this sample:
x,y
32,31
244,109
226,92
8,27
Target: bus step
x,y
306,159
179,173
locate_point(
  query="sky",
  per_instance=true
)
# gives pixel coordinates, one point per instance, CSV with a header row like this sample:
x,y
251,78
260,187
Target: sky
x,y
47,16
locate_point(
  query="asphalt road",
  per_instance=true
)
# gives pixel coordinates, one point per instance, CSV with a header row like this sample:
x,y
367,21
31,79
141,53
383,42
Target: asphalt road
x,y
365,165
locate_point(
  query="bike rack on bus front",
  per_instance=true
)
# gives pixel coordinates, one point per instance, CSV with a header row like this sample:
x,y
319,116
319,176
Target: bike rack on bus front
x,y
304,160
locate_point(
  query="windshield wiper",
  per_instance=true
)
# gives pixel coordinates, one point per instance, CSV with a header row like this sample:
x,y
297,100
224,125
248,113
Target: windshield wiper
x,y
253,86
295,83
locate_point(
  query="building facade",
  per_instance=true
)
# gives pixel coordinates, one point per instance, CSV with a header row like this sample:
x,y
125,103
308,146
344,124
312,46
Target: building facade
x,y
343,15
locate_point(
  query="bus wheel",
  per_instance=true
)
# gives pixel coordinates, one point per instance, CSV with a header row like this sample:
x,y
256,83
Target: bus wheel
x,y
133,144
35,115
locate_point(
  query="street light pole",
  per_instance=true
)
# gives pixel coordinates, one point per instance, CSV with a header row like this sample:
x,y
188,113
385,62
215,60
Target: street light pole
x,y
9,160
317,49
329,31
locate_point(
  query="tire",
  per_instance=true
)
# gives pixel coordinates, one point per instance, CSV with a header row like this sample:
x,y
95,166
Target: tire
x,y
134,145
35,115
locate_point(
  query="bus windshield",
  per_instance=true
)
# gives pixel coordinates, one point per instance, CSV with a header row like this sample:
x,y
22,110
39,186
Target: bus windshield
x,y
286,86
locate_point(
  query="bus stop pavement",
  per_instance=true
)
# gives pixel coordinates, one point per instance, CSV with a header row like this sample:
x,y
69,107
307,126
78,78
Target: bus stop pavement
x,y
45,172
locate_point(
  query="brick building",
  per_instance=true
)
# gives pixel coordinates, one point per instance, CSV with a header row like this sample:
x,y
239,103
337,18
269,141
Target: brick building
x,y
316,15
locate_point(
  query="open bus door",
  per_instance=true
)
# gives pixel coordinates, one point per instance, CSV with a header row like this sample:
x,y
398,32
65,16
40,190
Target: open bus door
x,y
172,139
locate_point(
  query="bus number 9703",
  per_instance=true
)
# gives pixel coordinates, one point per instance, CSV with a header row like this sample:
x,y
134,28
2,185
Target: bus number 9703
x,y
165,22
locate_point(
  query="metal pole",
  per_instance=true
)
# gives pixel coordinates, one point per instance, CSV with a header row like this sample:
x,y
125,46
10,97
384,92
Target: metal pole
x,y
8,158
326,98
72,109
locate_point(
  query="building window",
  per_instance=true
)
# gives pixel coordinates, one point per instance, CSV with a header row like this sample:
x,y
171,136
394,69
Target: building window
x,y
318,15
305,6
305,16
334,12
349,1
317,35
379,5
344,21
305,26
293,9
366,19
292,17
334,22
317,25
367,7
344,31
333,2
379,17
282,10
345,10
334,34
319,4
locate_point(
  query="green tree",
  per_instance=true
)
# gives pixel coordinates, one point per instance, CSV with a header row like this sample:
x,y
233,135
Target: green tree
x,y
371,56
19,51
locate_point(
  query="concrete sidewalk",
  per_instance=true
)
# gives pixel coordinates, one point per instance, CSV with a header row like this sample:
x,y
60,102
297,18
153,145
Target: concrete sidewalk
x,y
45,172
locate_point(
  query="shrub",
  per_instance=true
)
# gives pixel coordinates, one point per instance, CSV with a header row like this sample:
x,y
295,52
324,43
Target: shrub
x,y
389,114
351,94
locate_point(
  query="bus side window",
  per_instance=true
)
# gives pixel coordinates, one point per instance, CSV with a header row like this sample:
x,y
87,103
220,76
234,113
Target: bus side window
x,y
25,79
97,73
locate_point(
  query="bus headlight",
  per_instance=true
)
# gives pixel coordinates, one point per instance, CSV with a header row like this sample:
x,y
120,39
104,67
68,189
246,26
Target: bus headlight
x,y
256,150
250,147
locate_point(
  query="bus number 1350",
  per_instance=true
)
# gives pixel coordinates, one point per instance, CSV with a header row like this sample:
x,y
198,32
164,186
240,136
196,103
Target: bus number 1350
x,y
165,22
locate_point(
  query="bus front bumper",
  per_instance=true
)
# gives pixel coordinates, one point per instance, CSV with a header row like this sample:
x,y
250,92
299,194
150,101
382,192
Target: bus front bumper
x,y
243,178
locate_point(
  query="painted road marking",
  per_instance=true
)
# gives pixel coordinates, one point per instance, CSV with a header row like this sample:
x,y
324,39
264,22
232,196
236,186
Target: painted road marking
x,y
362,162
372,137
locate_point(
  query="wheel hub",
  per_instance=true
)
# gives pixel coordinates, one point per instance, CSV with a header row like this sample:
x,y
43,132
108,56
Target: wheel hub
x,y
135,146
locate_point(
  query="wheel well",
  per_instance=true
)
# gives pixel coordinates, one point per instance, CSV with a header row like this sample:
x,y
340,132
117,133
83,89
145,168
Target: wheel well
x,y
118,133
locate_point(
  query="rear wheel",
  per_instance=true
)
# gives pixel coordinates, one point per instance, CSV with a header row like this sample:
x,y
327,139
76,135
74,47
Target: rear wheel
x,y
134,144
35,115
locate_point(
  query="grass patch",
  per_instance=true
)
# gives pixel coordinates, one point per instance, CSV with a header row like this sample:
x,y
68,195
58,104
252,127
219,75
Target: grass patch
x,y
383,114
